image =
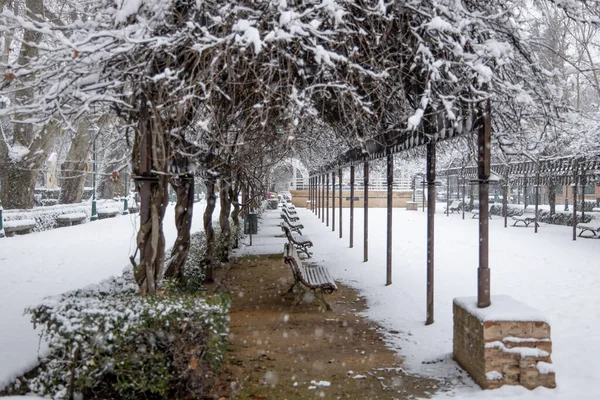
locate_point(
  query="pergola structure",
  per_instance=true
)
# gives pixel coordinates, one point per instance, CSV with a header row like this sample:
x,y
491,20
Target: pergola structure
x,y
435,128
569,170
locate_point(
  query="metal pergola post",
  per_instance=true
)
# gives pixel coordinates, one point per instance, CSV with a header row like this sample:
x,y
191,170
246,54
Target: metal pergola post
x,y
322,198
340,199
366,212
583,183
351,206
505,200
575,168
390,187
464,179
525,197
430,230
333,201
318,210
327,200
537,199
447,195
483,145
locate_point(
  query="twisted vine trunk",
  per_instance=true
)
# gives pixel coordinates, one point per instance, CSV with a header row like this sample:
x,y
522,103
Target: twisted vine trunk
x,y
234,192
208,227
150,155
224,219
184,189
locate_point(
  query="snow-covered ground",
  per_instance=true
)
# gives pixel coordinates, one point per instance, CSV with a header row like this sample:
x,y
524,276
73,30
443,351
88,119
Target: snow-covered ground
x,y
547,270
52,262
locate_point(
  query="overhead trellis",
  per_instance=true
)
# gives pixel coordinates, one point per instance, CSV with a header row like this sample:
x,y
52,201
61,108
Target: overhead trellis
x,y
377,148
560,170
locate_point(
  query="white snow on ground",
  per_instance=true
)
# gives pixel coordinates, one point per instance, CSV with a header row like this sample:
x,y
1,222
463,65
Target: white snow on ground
x,y
547,271
47,263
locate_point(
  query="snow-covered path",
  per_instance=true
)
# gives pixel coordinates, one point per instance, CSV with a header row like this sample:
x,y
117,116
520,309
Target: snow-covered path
x,y
548,271
52,262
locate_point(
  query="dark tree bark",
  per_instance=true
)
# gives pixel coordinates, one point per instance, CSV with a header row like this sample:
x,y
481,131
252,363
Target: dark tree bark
x,y
225,200
234,193
151,150
73,170
552,197
208,226
18,174
184,189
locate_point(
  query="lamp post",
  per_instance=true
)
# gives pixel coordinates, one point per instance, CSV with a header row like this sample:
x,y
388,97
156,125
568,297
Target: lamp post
x,y
94,215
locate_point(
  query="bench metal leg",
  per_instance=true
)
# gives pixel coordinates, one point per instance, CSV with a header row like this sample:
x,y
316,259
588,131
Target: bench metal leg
x,y
291,289
322,298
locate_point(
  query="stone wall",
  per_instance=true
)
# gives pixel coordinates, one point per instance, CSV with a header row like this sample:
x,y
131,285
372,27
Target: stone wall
x,y
507,343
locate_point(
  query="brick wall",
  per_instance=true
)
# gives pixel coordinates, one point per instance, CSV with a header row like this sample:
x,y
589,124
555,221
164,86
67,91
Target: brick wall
x,y
497,353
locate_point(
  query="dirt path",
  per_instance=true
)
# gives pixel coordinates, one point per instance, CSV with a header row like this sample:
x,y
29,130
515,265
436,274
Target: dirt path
x,y
304,352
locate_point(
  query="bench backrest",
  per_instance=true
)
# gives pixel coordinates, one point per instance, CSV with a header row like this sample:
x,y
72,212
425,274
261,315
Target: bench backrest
x,y
290,256
287,231
286,219
286,212
455,203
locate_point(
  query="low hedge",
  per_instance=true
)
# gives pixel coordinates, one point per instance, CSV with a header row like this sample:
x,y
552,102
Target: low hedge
x,y
107,341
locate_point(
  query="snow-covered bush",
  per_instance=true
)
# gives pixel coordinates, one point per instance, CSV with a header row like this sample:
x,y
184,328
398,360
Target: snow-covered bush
x,y
45,217
558,218
107,339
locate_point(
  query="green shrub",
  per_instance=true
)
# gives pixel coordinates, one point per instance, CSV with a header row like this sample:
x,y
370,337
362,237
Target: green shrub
x,y
107,339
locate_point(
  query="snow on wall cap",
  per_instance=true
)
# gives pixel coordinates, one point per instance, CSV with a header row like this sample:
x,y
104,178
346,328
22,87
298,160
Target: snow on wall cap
x,y
503,308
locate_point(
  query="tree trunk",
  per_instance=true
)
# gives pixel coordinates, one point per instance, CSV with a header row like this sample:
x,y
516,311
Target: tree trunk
x,y
234,192
18,172
552,196
224,219
184,189
150,155
18,176
208,227
73,170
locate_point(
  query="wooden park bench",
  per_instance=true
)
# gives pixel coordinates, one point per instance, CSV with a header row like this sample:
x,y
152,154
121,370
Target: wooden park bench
x,y
526,217
301,242
475,212
294,227
18,227
290,209
453,207
70,219
108,213
285,214
592,226
292,224
312,277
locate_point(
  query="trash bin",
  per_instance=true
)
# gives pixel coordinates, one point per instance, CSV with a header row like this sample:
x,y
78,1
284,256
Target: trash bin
x,y
251,223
